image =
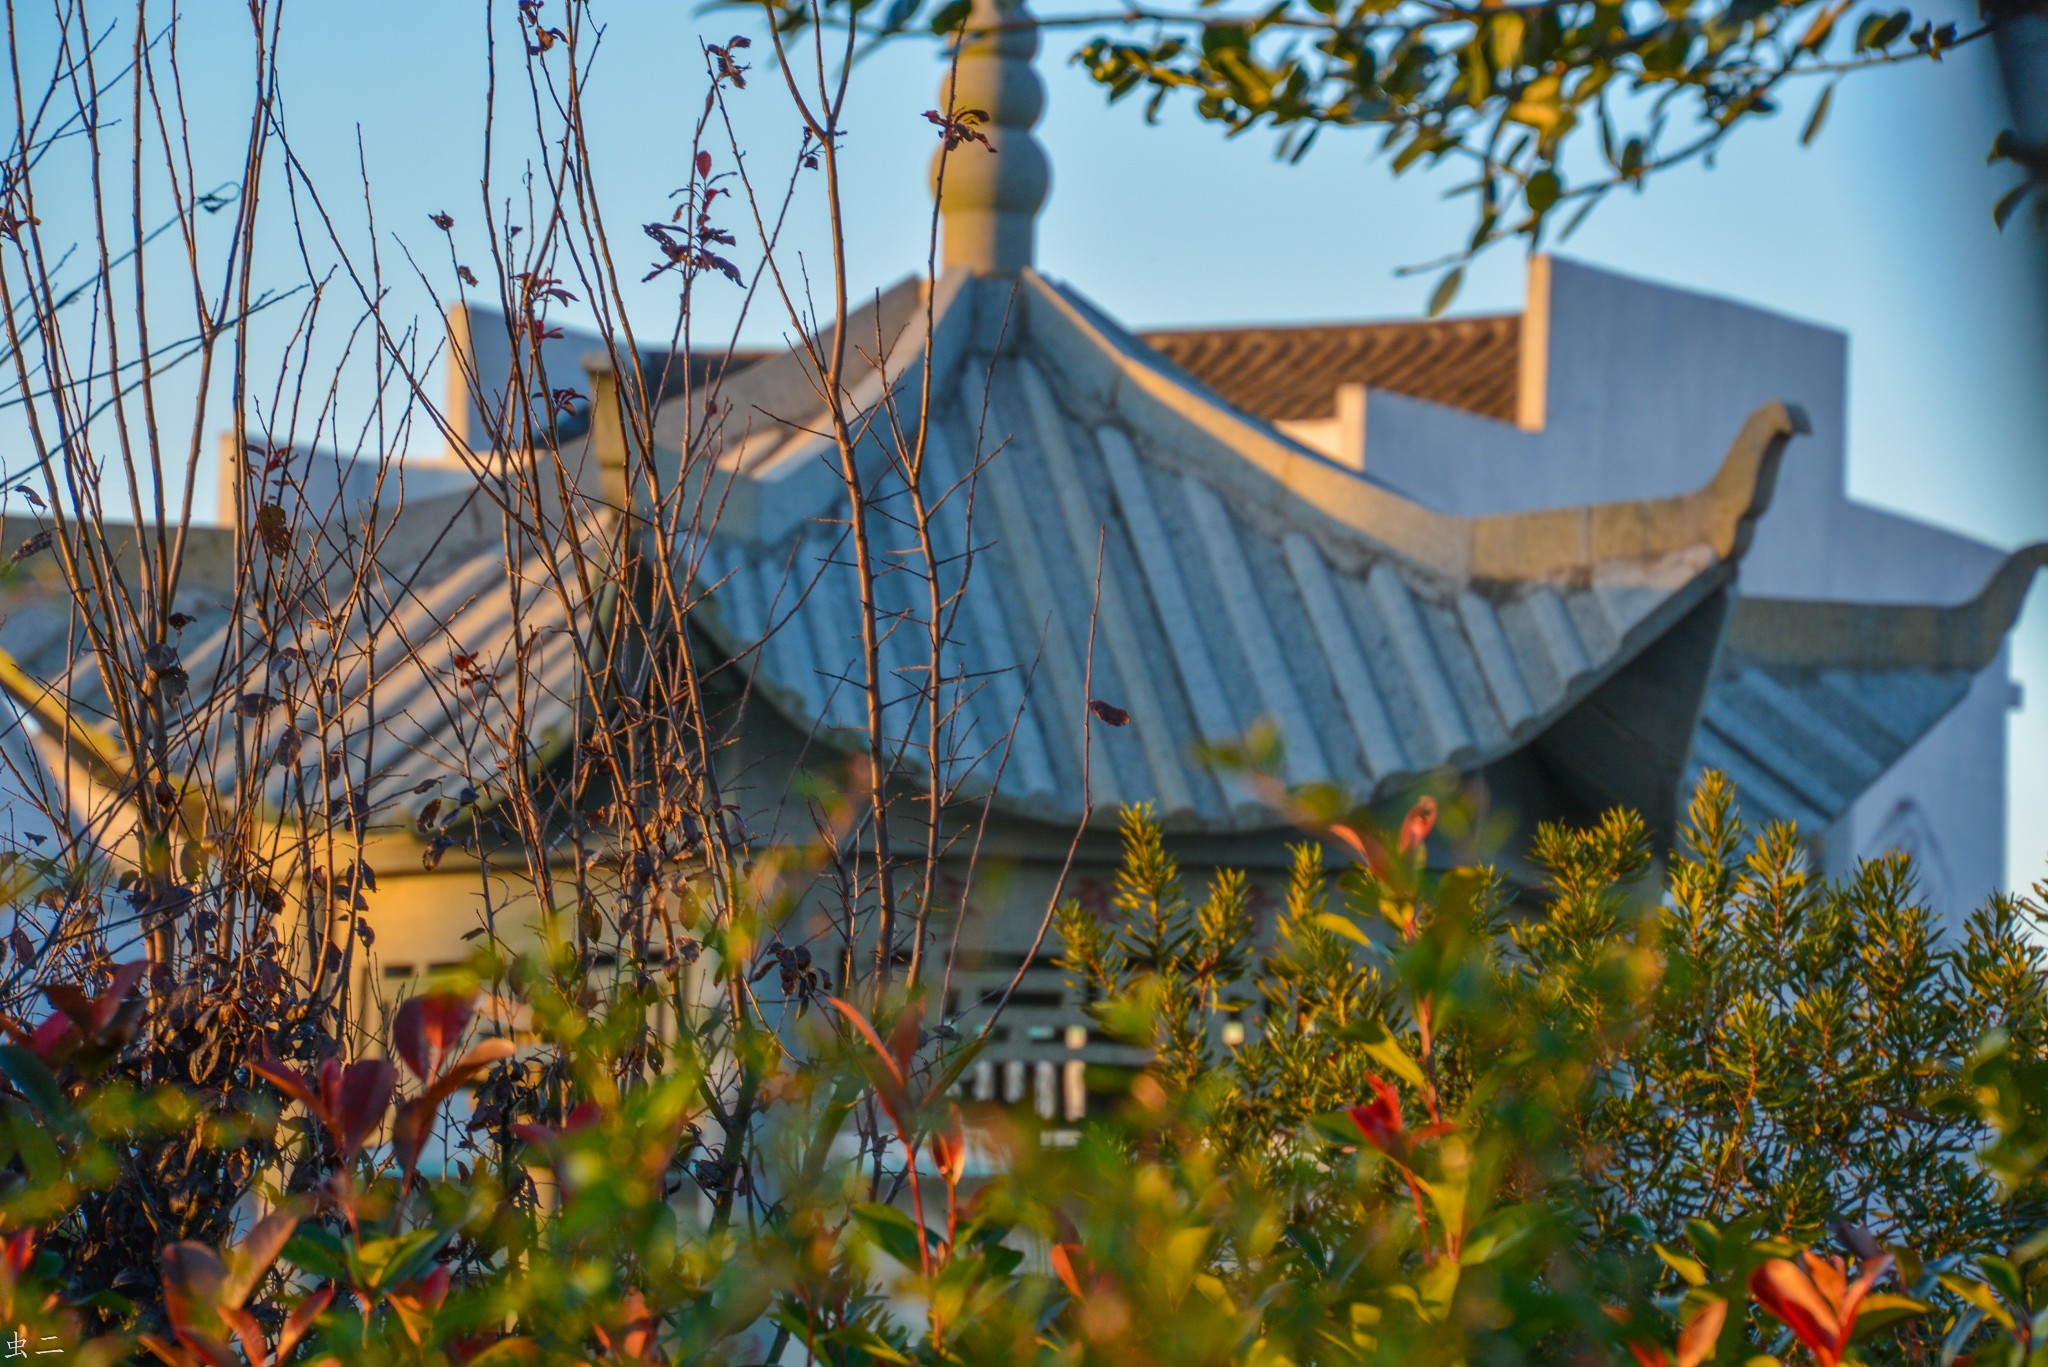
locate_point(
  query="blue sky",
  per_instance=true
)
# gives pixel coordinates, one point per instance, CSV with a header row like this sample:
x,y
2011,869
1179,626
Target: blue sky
x,y
1881,229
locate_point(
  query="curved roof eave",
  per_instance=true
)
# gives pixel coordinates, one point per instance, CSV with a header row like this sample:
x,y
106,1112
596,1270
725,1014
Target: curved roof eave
x,y
1476,632
1814,701
1962,636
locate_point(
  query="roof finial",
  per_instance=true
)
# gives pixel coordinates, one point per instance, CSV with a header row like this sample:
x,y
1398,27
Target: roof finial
x,y
989,204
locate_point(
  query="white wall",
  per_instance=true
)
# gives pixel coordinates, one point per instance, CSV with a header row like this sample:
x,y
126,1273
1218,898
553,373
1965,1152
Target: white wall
x,y
1954,779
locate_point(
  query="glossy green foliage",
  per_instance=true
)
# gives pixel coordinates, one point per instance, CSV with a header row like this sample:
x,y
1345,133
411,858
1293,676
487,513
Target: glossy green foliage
x,y
1425,1118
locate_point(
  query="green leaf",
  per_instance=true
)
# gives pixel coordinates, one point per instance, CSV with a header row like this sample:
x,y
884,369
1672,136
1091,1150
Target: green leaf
x,y
2005,1279
1436,1287
1691,1269
1448,1197
1881,1311
1818,117
37,1150
1346,927
951,16
1388,1052
1446,290
318,1250
1980,1296
895,1232
1542,191
1497,1234
388,1261
34,1080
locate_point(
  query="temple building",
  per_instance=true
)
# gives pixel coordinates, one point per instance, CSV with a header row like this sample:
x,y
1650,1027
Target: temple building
x,y
1577,555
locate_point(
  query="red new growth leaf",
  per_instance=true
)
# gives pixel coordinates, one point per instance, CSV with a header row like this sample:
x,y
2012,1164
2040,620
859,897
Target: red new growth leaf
x,y
416,1303
703,163
1815,1299
1367,850
1064,1259
205,1295
294,1084
1695,1341
635,1337
949,1149
1416,826
427,1029
1379,1120
892,1086
93,1015
300,1322
17,1253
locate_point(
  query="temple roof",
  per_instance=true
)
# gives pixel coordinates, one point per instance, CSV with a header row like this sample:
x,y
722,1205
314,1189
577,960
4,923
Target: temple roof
x,y
1812,701
1244,577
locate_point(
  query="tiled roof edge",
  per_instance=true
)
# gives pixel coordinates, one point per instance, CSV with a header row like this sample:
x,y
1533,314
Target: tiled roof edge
x,y
1819,634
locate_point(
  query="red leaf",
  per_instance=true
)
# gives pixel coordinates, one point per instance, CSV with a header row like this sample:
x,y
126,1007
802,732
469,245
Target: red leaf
x,y
51,1037
1063,1258
355,1100
703,163
540,1136
1696,1341
893,1087
108,1004
300,1321
1379,1120
1417,825
72,1002
1366,850
17,1252
427,1028
1783,1288
251,1258
249,1330
290,1081
949,1148
1645,1352
193,1280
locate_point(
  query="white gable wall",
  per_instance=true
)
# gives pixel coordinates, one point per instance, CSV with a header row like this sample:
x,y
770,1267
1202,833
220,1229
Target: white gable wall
x,y
1635,390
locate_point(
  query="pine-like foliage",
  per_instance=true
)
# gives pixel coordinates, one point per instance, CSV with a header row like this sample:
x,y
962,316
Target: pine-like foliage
x,y
1756,1043
1793,1036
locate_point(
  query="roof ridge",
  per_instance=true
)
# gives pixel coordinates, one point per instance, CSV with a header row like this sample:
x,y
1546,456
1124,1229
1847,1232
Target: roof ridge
x,y
1533,544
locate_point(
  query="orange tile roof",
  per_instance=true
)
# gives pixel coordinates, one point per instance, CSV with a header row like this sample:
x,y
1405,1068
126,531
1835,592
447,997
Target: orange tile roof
x,y
1292,373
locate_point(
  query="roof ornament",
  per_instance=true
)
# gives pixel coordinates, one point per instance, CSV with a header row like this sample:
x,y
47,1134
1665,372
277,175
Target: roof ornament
x,y
989,201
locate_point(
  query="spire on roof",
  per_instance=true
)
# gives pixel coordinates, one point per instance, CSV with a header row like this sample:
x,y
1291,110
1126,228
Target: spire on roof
x,y
990,196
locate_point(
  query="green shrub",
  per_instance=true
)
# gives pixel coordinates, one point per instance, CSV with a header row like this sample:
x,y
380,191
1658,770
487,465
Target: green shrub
x,y
1735,1124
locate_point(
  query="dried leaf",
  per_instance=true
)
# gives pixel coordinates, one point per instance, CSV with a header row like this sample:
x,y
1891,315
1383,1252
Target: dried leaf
x,y
274,529
35,545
